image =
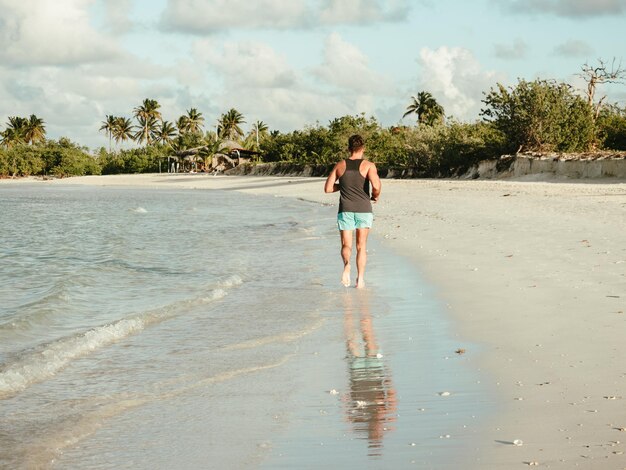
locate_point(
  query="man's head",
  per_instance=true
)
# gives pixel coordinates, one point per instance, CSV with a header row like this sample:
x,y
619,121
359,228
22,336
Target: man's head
x,y
355,143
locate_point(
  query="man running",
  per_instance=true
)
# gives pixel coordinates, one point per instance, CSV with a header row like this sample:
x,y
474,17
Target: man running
x,y
352,178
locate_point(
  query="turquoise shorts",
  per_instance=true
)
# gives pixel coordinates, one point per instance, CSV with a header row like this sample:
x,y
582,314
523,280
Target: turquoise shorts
x,y
354,220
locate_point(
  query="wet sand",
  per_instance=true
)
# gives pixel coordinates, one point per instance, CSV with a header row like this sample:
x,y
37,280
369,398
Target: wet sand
x,y
534,274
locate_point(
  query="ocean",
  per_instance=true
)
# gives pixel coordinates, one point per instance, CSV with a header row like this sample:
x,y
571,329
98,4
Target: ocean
x,y
144,328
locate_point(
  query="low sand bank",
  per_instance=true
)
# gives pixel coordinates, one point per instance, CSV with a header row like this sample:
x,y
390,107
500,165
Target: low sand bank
x,y
536,272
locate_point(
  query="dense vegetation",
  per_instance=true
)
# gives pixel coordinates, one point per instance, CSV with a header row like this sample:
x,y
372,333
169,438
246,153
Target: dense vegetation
x,y
51,157
539,115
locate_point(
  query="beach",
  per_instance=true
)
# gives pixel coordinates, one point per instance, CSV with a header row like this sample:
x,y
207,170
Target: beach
x,y
532,278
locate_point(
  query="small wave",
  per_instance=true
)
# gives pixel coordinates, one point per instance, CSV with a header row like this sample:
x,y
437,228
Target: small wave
x,y
139,210
232,281
52,300
215,295
44,363
123,265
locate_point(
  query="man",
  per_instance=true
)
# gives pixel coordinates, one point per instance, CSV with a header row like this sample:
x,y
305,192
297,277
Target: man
x,y
352,178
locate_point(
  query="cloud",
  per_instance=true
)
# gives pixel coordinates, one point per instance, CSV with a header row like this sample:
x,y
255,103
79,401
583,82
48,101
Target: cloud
x,y
363,11
246,64
74,100
50,33
566,8
455,78
517,50
211,16
261,83
118,15
345,66
65,112
573,48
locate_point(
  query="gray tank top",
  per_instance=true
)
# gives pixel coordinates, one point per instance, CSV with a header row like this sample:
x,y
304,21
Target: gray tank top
x,y
354,189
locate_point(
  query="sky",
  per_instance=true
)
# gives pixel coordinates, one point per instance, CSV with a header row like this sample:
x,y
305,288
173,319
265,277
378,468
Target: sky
x,y
289,63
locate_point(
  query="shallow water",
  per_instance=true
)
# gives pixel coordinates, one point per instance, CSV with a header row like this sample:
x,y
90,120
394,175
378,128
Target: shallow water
x,y
203,329
391,391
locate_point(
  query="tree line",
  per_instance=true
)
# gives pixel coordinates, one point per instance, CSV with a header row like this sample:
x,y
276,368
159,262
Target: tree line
x,y
539,115
150,127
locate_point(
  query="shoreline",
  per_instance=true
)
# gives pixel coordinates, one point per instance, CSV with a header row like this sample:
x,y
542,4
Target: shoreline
x,y
532,271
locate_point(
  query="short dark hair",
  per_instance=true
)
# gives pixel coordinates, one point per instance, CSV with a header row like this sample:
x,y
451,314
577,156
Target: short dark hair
x,y
355,143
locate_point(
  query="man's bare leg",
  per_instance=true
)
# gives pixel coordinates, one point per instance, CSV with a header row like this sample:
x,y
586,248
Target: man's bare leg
x,y
361,256
346,252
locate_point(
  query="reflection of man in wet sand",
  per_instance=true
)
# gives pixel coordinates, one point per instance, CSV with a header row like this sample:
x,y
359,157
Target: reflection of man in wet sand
x,y
352,178
372,403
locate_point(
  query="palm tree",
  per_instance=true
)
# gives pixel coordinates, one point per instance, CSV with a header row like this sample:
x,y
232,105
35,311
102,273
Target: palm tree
x,y
426,107
15,133
191,122
249,143
108,126
229,125
178,145
181,124
147,114
35,130
164,134
146,129
122,130
260,130
213,146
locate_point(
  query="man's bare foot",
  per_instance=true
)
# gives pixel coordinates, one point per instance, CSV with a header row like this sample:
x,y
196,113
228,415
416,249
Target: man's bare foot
x,y
345,277
360,283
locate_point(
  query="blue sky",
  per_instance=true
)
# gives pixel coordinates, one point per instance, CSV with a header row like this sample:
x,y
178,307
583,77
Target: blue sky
x,y
290,63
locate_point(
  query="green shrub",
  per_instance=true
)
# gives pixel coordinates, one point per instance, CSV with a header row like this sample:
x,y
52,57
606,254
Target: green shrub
x,y
65,158
426,150
465,144
59,158
137,160
611,128
540,115
20,160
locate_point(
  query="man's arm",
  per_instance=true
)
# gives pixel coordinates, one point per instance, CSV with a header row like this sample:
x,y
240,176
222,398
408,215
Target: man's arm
x,y
372,175
331,185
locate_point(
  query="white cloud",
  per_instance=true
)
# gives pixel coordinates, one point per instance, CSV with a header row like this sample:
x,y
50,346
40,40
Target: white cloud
x,y
455,78
363,11
262,84
65,112
573,48
34,32
73,100
346,66
517,50
566,8
246,64
118,15
207,16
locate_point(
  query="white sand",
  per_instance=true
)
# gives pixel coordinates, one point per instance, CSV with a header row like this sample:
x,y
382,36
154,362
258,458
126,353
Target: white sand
x,y
533,271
